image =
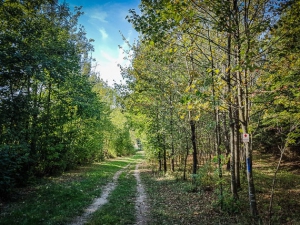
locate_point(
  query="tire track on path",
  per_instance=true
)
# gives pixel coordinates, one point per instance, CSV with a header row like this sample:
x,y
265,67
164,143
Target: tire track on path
x,y
141,200
98,202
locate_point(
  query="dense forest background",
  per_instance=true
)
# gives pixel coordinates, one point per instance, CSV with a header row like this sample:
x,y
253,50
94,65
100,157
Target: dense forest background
x,y
202,74
55,112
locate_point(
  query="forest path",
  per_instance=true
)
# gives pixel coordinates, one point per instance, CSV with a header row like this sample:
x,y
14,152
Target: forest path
x,y
141,206
98,202
140,201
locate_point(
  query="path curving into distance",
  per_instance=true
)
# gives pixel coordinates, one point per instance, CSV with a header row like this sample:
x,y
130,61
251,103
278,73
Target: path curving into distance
x,y
98,202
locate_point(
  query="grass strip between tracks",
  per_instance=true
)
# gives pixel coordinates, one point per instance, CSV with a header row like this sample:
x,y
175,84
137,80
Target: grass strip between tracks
x,y
120,208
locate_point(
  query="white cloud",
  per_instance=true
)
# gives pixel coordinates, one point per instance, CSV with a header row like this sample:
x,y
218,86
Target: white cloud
x,y
103,33
108,65
109,72
108,56
104,24
97,14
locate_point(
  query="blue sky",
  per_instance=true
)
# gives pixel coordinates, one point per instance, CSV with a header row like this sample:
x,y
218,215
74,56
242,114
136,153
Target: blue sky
x,y
103,21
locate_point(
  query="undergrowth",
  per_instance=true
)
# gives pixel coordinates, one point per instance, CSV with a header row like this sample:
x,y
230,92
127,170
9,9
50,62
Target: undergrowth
x,y
198,200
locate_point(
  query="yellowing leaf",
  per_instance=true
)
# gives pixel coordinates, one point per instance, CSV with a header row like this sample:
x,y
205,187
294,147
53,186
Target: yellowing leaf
x,y
190,107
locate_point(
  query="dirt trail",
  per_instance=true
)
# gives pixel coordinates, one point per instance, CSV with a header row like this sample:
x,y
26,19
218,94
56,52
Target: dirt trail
x,y
98,202
141,200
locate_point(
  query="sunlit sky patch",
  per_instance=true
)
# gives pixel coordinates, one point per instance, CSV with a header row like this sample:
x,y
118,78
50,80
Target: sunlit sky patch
x,y
104,21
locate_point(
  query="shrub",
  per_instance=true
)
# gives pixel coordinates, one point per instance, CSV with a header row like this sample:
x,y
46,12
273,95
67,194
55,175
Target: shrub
x,y
14,167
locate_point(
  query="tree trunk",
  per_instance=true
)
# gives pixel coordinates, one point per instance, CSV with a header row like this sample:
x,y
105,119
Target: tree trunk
x,y
217,120
172,137
165,155
226,140
34,134
186,157
159,161
282,149
237,164
195,161
242,96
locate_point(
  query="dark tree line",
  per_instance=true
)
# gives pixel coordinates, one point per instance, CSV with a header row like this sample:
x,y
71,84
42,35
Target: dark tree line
x,y
54,111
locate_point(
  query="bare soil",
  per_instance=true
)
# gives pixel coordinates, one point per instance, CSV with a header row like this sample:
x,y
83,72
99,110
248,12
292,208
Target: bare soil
x,y
141,200
98,202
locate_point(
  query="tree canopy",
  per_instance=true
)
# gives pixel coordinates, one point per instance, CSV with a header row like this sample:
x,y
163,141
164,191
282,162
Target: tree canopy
x,y
206,72
55,113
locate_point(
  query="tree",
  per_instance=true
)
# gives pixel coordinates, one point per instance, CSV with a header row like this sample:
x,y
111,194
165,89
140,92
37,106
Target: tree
x,y
47,104
227,67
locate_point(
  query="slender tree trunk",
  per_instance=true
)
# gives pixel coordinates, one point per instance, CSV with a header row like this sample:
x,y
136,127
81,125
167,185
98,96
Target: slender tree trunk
x,y
48,116
186,157
243,108
217,120
218,143
195,161
226,140
237,164
232,121
165,154
27,134
282,149
172,137
159,142
192,124
34,121
172,158
159,161
233,160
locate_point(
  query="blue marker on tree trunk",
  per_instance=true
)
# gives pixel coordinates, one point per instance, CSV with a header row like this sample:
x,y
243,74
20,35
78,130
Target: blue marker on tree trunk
x,y
248,165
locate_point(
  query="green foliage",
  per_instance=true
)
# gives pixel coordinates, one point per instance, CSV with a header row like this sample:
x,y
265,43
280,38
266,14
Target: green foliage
x,y
206,178
13,163
122,143
118,139
279,84
51,117
57,199
227,203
